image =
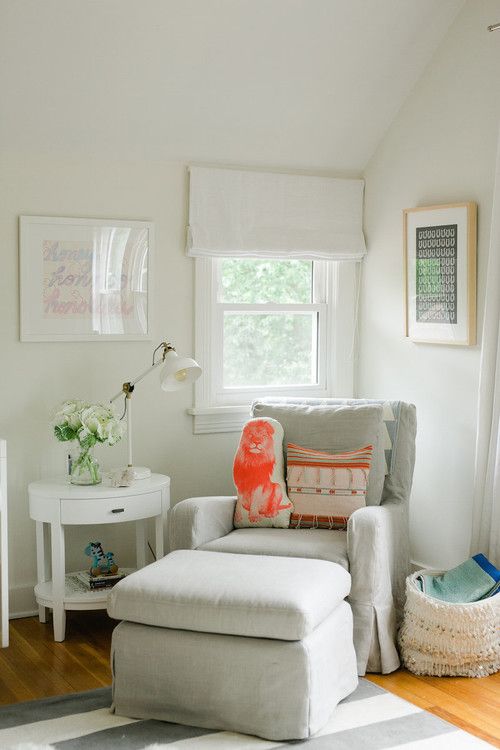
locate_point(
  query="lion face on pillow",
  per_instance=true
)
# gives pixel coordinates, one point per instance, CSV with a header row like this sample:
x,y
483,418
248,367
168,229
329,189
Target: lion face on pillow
x,y
256,449
254,465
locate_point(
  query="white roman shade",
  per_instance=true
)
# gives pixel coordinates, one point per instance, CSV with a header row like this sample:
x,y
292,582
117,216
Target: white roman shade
x,y
268,215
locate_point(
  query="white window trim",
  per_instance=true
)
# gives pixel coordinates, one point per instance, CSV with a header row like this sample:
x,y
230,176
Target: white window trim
x,y
336,369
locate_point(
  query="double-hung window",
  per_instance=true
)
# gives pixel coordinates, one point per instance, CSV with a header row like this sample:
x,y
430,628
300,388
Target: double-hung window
x,y
270,328
271,320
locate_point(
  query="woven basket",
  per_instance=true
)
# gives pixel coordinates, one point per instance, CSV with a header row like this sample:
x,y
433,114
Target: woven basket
x,y
438,638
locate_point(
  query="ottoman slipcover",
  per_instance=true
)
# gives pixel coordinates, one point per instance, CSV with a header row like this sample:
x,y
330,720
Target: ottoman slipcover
x,y
244,643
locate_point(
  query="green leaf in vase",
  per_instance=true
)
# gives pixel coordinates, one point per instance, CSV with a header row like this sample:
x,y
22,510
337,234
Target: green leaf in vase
x,y
64,432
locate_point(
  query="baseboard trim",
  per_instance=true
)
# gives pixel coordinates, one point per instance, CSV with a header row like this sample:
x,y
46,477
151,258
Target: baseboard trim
x,y
22,601
415,565
20,615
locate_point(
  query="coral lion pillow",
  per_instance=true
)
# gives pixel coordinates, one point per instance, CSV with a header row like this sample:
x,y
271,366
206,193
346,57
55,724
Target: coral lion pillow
x,y
326,488
259,476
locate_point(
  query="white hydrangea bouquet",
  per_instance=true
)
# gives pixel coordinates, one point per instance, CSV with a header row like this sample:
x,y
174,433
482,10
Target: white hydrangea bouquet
x,y
88,424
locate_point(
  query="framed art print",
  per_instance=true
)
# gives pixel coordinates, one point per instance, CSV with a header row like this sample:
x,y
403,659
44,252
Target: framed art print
x,y
84,279
440,273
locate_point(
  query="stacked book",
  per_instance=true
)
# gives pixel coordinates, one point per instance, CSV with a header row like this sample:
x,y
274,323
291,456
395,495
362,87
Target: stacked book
x,y
99,582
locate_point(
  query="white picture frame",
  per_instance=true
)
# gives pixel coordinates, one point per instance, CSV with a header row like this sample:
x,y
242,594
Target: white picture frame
x,y
85,279
440,273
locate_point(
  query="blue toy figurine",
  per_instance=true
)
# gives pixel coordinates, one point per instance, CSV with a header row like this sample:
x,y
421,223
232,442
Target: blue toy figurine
x,y
103,563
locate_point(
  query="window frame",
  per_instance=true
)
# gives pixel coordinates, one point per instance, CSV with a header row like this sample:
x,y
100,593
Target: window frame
x,y
218,409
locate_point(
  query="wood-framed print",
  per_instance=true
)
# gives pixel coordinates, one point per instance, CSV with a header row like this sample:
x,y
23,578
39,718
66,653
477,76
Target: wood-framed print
x,y
440,273
85,279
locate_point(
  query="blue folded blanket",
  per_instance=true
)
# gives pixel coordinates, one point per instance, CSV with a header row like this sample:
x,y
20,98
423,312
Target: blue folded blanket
x,y
471,581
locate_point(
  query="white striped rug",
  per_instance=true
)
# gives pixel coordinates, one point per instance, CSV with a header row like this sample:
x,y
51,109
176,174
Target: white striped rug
x,y
369,719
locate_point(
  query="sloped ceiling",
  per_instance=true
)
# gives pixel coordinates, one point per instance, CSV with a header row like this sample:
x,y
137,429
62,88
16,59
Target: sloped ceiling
x,y
293,83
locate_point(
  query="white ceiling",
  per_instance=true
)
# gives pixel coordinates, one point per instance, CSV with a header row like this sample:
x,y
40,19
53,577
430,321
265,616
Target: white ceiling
x,y
294,83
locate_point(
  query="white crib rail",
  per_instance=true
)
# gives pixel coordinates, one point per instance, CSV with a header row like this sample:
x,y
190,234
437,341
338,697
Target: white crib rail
x,y
4,554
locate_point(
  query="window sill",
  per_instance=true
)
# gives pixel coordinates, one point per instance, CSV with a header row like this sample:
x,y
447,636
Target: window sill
x,y
219,419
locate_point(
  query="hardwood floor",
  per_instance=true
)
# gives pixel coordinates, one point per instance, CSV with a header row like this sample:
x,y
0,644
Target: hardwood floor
x,y
34,666
471,704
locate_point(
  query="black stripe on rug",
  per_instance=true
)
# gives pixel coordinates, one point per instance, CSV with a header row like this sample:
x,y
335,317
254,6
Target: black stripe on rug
x,y
54,708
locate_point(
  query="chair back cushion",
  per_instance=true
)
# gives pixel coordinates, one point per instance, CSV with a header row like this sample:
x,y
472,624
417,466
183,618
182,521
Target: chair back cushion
x,y
399,428
332,428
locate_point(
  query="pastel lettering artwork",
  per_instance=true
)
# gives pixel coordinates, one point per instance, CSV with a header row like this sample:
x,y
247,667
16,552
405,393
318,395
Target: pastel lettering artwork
x,y
54,304
73,286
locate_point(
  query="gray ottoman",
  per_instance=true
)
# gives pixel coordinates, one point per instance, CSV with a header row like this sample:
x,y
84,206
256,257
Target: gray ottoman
x,y
261,645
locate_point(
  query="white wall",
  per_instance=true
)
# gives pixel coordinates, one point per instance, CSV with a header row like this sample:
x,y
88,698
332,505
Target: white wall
x,y
35,377
295,83
441,148
103,105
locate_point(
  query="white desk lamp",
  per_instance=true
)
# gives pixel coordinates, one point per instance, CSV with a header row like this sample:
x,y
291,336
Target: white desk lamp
x,y
176,373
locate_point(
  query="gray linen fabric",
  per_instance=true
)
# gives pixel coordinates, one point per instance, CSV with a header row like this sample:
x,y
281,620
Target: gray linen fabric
x,y
332,428
320,544
377,542
250,595
198,520
271,688
370,547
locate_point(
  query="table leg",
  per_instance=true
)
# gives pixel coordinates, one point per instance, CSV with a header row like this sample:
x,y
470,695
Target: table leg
x,y
58,581
140,540
4,578
42,562
159,537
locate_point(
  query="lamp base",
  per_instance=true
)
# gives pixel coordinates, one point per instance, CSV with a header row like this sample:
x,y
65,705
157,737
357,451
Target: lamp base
x,y
141,472
126,475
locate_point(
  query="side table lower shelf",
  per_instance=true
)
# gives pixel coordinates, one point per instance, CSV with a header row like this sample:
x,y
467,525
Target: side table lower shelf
x,y
76,596
56,505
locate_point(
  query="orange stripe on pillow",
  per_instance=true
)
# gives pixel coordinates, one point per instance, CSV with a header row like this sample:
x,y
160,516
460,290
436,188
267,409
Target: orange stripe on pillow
x,y
321,453
326,488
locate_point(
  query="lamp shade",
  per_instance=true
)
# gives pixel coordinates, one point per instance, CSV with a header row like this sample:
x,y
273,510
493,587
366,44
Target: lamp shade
x,y
178,371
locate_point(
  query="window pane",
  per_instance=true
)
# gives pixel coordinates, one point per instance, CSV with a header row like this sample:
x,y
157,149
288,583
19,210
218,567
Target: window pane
x,y
261,281
270,349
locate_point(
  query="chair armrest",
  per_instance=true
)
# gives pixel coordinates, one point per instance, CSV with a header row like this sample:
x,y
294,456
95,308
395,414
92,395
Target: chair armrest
x,y
368,549
199,520
377,548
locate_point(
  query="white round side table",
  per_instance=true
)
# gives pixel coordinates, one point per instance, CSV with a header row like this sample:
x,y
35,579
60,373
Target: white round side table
x,y
56,504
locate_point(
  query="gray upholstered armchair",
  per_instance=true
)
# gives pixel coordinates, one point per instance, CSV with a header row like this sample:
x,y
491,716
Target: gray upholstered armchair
x,y
375,547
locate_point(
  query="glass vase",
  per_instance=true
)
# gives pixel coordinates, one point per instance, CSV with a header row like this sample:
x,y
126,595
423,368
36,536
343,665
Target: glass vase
x,y
85,469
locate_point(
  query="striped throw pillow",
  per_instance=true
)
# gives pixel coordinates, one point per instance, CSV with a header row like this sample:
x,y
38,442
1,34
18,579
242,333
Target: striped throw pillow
x,y
325,488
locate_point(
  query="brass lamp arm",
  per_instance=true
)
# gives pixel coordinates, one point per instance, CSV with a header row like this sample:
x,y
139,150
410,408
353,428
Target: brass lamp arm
x,y
177,371
128,387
